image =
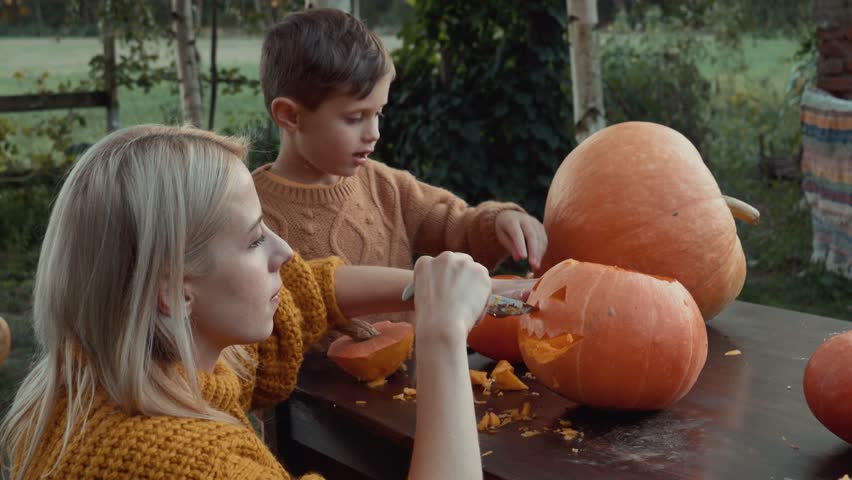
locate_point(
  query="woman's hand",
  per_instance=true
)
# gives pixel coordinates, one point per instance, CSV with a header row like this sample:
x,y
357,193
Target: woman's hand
x,y
450,294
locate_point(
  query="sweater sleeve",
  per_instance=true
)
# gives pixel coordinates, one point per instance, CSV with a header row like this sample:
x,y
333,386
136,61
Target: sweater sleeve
x,y
307,304
437,220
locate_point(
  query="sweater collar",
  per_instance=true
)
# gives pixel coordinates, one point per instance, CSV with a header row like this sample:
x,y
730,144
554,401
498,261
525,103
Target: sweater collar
x,y
302,193
221,388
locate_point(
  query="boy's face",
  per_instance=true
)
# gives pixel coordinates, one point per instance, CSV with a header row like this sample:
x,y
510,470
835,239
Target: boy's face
x,y
336,139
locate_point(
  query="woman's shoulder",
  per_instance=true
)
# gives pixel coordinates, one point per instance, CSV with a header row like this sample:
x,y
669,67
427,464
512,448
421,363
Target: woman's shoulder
x,y
115,444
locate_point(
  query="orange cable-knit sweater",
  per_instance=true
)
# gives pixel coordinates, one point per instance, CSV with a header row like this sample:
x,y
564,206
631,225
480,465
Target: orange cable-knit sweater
x,y
379,216
117,445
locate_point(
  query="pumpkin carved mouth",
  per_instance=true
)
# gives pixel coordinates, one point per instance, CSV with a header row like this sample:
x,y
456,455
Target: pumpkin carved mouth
x,y
547,349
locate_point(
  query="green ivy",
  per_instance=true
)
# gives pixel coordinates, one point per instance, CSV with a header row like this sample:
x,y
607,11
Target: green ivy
x,y
481,104
482,100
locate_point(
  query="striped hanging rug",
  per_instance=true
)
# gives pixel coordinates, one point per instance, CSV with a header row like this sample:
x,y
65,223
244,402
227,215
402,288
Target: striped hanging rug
x,y
827,177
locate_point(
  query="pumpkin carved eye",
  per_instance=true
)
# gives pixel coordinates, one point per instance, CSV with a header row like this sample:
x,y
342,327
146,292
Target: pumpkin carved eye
x,y
559,295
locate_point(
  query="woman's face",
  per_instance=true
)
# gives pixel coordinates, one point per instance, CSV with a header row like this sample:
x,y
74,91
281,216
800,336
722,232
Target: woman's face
x,y
235,302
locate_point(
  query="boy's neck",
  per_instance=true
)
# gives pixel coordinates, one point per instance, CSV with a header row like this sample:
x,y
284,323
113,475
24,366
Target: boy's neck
x,y
296,169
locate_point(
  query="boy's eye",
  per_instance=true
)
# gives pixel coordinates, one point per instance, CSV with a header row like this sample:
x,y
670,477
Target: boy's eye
x,y
258,242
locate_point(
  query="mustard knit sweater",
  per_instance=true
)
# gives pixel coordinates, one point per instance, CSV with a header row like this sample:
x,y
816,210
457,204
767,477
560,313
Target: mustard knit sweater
x,y
118,445
380,216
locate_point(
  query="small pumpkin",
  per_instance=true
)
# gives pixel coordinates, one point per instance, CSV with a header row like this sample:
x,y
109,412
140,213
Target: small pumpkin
x,y
637,195
828,384
5,340
612,338
497,338
378,357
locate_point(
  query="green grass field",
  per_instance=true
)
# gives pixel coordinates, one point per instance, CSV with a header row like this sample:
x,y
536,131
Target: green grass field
x,y
776,277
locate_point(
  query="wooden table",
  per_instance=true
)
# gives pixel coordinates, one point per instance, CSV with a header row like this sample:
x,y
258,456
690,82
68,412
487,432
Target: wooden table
x,y
746,418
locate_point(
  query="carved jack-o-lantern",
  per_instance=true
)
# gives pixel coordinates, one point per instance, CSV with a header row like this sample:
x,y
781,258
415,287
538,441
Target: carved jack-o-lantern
x,y
612,338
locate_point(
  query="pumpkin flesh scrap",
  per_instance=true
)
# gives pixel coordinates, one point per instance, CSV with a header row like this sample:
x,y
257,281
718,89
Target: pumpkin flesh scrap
x,y
374,359
504,377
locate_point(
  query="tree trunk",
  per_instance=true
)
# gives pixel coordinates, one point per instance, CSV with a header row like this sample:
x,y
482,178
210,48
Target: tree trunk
x,y
214,76
345,5
38,16
187,64
110,84
586,85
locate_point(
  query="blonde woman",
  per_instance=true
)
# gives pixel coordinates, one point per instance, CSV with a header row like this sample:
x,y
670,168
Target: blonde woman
x,y
165,309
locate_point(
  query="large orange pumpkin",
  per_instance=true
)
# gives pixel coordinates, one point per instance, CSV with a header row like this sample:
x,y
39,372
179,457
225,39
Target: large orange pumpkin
x,y
497,338
377,357
828,384
5,340
637,195
612,338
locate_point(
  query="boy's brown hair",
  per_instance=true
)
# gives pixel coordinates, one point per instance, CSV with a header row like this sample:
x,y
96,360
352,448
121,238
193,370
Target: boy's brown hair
x,y
312,54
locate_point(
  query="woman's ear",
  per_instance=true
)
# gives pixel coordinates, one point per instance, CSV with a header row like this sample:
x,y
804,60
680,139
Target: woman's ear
x,y
285,113
163,297
164,302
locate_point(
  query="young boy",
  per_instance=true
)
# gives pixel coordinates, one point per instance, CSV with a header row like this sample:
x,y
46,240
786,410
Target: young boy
x,y
325,80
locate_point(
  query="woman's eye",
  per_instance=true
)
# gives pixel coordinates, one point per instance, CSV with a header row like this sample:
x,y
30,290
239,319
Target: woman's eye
x,y
258,242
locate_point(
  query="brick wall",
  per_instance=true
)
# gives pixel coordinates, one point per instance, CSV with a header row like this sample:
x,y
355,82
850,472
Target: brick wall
x,y
834,35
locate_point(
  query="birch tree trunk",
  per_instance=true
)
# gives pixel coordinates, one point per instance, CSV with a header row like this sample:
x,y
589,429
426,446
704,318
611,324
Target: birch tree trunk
x,y
214,74
345,5
589,116
110,82
187,62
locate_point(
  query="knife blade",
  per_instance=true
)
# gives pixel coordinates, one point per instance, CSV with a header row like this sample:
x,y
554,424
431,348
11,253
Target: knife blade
x,y
497,306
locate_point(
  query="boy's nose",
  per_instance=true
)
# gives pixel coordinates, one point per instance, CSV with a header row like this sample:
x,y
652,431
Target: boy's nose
x,y
371,133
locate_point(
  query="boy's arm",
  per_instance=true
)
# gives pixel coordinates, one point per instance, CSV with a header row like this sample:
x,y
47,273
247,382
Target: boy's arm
x,y
436,220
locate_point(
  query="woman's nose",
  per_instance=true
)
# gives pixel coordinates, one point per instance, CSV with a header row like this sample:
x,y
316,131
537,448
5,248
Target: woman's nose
x,y
282,254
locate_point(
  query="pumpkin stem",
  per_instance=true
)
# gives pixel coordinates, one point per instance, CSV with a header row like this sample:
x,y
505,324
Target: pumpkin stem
x,y
359,330
742,210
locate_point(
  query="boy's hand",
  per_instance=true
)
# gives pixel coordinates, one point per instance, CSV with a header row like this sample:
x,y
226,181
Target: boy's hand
x,y
522,235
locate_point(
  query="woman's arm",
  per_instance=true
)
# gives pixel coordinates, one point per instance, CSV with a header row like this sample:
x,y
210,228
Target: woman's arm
x,y
364,290
451,292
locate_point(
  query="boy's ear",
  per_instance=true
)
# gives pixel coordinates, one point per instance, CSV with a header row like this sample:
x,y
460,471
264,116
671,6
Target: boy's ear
x,y
285,113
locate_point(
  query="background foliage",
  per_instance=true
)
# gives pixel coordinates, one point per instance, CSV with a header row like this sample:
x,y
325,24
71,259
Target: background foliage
x,y
482,100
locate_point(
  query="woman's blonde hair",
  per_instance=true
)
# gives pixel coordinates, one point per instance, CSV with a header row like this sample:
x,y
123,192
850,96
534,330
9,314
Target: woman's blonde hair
x,y
139,208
